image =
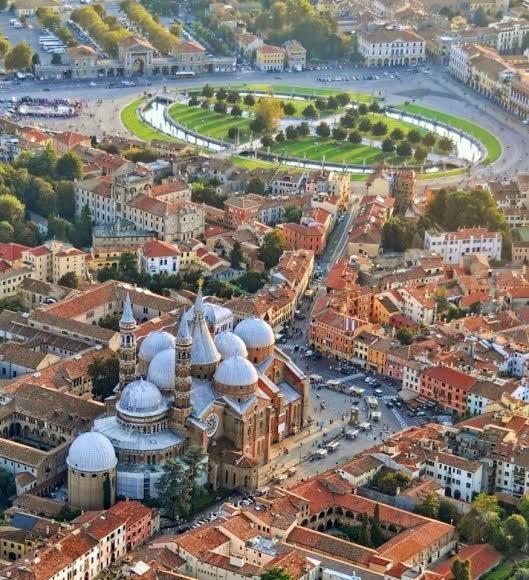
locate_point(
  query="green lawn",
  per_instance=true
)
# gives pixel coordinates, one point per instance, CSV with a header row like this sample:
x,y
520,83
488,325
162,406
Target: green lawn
x,y
489,141
137,127
502,572
317,149
391,124
208,123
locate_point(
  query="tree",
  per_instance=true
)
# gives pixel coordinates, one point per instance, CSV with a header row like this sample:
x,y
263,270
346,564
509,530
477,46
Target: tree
x,y
128,265
267,141
236,255
208,91
362,109
303,129
321,104
220,107
176,29
174,490
69,280
271,249
429,140
269,111
69,167
339,134
280,137
35,60
479,18
250,281
104,374
107,493
365,532
376,529
83,228
7,232
516,529
289,109
388,146
193,101
233,132
348,121
310,112
222,93
403,149
405,336
420,154
364,125
397,134
323,130
379,128
4,43
205,105
11,208
355,137
481,523
447,512
292,214
19,57
429,507
413,136
110,321
56,58
291,132
7,487
461,569
445,144
521,574
332,103
276,574
343,99
397,235
236,110
249,100
391,482
256,185
194,460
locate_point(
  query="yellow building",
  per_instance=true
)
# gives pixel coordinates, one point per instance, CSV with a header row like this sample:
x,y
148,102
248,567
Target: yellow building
x,y
268,57
383,309
51,261
377,354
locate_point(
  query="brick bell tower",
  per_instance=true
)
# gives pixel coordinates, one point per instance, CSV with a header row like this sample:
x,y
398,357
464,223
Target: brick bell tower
x,y
182,383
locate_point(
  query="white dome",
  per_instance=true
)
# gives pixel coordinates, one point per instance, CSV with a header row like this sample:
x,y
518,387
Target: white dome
x,y
141,398
91,452
229,344
236,371
162,369
213,313
155,342
255,333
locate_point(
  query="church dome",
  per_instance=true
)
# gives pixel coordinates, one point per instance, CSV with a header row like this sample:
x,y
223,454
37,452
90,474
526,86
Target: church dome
x,y
141,398
91,452
255,333
236,371
155,342
162,369
229,344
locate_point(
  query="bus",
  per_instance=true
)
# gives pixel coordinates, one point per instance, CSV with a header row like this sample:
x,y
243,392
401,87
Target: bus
x,y
185,75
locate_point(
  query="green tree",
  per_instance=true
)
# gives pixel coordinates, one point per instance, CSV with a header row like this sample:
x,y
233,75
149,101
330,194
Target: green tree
x,y
397,235
236,110
292,214
343,99
56,58
7,487
303,129
429,140
276,574
271,249
310,112
420,154
256,185
267,141
403,149
365,532
289,109
387,145
445,144
128,265
291,132
221,94
479,18
110,321
448,512
11,208
174,490
249,100
250,281
236,256
406,336
4,43
379,128
481,522
364,125
208,91
429,507
355,137
413,136
69,280
268,110
390,482
107,493
517,530
220,107
339,134
83,228
461,569
35,60
68,514
280,137
7,232
323,130
397,134
69,167
376,528
19,57
195,462
104,374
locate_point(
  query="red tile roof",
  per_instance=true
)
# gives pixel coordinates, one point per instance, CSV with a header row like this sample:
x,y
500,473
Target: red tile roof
x,y
483,557
160,249
11,251
450,376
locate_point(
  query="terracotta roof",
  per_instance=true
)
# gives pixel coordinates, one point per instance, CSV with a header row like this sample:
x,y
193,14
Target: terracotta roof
x,y
269,49
451,376
483,557
159,249
80,51
11,252
69,138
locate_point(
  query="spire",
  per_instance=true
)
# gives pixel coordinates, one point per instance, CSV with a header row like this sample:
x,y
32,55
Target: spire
x,y
183,329
128,316
199,306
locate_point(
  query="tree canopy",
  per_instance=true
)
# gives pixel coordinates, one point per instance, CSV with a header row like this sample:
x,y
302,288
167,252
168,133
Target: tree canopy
x,y
272,247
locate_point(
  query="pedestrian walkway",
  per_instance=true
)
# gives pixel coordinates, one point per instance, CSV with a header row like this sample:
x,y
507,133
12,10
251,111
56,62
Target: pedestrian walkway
x,y
401,421
387,397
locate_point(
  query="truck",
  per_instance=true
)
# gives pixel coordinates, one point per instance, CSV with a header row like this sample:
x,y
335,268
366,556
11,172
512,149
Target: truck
x,y
333,446
320,454
356,391
352,434
372,402
365,426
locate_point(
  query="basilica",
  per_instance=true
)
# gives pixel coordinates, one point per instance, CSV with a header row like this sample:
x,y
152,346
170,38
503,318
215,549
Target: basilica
x,y
230,391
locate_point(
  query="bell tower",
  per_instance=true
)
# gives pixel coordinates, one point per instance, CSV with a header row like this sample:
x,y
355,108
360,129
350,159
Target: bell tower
x,y
127,345
182,382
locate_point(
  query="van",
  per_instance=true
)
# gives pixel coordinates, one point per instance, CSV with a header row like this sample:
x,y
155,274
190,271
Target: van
x,y
377,392
352,434
280,478
291,471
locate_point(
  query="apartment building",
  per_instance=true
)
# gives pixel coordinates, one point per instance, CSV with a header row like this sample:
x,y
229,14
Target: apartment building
x,y
158,257
447,386
417,306
270,58
391,48
295,55
461,478
453,246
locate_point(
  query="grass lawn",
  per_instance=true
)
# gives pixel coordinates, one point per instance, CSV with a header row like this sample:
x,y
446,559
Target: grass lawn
x,y
502,572
439,174
208,123
391,124
137,127
317,149
490,142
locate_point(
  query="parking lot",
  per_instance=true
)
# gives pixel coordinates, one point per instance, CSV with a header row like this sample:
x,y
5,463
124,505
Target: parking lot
x,y
30,34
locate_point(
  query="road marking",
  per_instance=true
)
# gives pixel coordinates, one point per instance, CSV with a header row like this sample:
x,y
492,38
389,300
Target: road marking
x,y
401,421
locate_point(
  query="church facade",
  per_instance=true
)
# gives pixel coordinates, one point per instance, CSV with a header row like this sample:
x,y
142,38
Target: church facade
x,y
232,393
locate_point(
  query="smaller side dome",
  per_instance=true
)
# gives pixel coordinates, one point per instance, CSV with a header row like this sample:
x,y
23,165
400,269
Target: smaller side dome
x,y
155,342
236,371
255,333
162,369
91,452
229,344
141,398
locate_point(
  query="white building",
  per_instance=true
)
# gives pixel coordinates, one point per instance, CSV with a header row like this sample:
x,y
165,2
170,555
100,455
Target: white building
x,y
511,34
416,306
391,48
460,477
157,257
459,61
453,246
481,394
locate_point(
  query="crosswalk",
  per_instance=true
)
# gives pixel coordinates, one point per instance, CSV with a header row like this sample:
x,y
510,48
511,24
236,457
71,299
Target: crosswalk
x,y
399,418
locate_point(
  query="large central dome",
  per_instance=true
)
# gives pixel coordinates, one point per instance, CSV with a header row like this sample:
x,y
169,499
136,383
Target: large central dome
x,y
141,398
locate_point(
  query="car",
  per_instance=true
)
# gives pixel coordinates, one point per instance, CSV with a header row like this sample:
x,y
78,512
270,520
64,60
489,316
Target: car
x,y
389,405
46,89
420,414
